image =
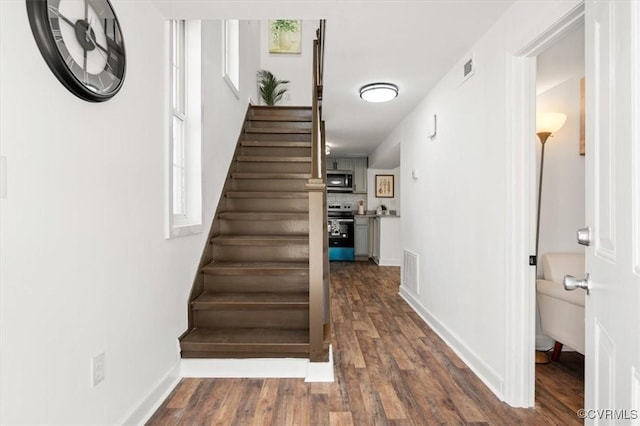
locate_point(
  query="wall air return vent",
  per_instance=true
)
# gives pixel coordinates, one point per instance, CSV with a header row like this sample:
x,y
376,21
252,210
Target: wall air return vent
x,y
410,271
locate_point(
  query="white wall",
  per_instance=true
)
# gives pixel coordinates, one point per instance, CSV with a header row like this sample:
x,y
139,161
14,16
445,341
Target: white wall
x,y
293,67
85,267
563,188
454,216
391,203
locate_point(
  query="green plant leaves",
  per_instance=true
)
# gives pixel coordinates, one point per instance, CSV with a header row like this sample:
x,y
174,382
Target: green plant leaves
x,y
269,87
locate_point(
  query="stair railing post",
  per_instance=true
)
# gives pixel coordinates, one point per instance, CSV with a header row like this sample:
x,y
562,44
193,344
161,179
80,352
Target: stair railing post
x,y
318,295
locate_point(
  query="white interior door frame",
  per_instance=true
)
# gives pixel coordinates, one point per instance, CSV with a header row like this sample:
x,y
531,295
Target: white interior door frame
x,y
519,380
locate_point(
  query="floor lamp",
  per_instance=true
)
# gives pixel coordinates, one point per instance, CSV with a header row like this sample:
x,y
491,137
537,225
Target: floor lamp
x,y
547,123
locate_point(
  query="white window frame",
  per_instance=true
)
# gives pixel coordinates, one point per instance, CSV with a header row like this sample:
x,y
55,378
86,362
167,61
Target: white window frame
x,y
231,54
185,130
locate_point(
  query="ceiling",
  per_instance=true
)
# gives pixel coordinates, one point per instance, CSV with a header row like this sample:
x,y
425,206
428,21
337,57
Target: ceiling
x,y
562,61
409,43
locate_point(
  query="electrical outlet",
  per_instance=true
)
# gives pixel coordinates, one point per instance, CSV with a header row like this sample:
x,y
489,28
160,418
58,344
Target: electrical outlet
x,y
97,369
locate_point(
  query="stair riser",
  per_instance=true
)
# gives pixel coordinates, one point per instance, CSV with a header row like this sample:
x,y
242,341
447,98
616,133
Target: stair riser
x,y
276,151
256,123
269,184
293,137
272,227
297,252
255,283
304,353
276,167
300,205
254,318
257,112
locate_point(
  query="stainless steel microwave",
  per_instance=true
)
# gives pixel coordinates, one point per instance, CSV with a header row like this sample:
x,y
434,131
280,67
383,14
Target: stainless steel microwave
x,y
338,181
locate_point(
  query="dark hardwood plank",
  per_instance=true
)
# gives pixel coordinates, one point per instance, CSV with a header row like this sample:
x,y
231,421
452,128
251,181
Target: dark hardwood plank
x,y
266,401
390,369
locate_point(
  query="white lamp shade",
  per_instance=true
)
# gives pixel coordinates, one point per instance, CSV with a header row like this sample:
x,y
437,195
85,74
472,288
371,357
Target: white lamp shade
x,y
550,122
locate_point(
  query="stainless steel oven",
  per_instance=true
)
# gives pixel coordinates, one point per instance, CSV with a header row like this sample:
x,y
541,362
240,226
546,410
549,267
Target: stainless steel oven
x,y
341,233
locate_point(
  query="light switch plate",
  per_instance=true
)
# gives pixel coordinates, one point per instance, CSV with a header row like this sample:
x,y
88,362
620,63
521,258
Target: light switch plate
x,y
98,369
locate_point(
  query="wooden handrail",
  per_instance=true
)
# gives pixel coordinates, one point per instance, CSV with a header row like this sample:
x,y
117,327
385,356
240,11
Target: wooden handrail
x,y
319,314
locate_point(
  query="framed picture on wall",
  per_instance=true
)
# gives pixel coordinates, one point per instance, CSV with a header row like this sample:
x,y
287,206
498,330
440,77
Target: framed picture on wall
x,y
384,186
285,35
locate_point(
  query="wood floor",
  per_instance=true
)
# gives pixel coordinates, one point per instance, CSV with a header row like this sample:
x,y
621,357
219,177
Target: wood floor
x,y
390,369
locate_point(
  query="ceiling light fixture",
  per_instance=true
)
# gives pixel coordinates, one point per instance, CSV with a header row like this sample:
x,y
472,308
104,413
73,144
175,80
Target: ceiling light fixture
x,y
379,92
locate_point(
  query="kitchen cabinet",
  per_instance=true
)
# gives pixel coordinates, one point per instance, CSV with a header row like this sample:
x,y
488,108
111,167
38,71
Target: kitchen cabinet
x,y
386,240
342,164
360,175
361,237
356,165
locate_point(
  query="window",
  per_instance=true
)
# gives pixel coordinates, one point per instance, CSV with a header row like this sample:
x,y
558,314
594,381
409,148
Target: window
x,y
231,49
178,117
185,169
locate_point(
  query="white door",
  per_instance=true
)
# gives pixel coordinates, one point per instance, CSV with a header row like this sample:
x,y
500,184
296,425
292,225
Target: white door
x,y
612,382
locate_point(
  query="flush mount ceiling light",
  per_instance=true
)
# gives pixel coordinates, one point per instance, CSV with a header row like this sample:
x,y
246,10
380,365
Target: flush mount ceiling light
x,y
379,92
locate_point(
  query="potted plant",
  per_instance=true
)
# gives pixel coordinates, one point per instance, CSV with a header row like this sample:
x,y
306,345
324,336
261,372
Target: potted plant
x,y
271,90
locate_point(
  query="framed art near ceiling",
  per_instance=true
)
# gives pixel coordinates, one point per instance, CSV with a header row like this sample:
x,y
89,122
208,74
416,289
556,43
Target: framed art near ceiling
x,y
285,35
384,186
582,151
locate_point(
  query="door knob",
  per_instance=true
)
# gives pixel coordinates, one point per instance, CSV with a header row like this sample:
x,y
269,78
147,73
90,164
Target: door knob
x,y
571,283
584,236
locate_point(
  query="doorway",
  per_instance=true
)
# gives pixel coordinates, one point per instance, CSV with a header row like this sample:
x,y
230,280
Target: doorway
x,y
519,388
560,185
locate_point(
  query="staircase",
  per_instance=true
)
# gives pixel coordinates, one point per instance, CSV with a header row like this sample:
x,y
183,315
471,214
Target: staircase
x,y
251,296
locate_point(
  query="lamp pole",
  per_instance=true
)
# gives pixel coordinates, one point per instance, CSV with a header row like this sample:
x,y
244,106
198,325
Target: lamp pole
x,y
543,138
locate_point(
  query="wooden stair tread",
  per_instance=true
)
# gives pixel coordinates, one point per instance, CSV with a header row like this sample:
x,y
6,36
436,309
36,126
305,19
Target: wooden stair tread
x,y
270,175
267,194
281,108
260,240
263,216
209,300
276,144
283,130
248,336
282,117
253,268
273,159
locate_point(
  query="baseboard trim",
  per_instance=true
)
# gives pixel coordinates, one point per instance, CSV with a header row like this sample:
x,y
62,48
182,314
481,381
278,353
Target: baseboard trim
x,y
485,373
148,406
389,262
320,371
259,368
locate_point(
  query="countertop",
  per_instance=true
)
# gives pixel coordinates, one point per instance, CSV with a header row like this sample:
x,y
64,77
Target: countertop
x,y
372,213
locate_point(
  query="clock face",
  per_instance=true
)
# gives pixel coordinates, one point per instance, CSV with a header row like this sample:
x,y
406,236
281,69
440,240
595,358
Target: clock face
x,y
82,43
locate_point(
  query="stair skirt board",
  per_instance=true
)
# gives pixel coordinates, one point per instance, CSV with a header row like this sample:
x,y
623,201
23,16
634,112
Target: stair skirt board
x,y
259,368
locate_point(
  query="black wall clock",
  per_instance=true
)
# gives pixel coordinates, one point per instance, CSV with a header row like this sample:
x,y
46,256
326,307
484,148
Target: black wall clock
x,y
82,43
